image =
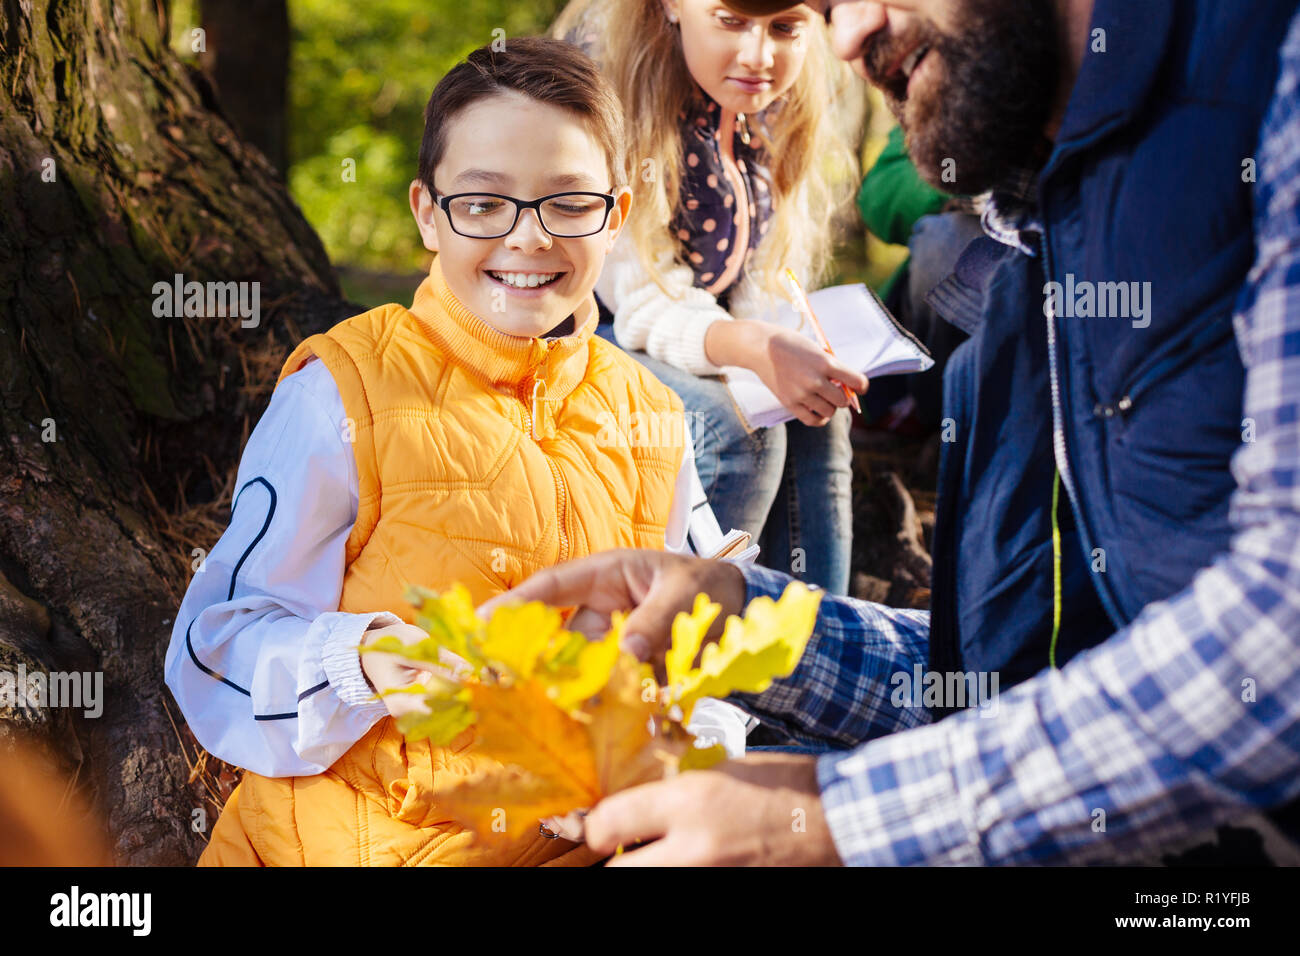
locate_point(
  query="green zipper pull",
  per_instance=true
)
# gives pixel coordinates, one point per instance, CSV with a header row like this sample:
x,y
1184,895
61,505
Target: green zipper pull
x,y
1056,569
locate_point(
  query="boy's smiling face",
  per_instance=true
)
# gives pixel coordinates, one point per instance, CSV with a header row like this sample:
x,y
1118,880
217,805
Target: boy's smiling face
x,y
516,146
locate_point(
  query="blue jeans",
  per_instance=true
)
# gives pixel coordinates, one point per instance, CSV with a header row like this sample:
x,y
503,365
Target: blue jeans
x,y
788,486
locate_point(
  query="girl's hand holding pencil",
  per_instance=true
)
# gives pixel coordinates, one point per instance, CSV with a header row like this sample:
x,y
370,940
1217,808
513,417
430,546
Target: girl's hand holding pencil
x,y
806,377
805,309
809,381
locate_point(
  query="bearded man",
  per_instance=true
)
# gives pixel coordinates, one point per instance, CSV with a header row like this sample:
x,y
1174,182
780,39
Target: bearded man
x,y
1118,526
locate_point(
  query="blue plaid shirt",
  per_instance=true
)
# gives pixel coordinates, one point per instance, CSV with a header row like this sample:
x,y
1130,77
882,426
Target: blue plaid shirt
x,y
1186,719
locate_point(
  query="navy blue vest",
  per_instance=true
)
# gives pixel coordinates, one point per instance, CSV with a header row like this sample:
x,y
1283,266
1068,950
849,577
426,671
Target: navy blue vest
x,y
1145,186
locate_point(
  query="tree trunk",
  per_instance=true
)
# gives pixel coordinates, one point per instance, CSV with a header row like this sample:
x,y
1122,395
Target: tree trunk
x,y
246,57
119,425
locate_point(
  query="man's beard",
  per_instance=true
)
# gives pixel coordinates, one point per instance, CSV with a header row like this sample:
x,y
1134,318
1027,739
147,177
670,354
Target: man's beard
x,y
983,113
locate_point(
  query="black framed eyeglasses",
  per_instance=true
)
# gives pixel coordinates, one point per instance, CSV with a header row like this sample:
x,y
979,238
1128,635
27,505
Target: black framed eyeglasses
x,y
493,215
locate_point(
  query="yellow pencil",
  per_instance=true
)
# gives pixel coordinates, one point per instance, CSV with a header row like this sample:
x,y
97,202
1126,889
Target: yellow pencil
x,y
803,305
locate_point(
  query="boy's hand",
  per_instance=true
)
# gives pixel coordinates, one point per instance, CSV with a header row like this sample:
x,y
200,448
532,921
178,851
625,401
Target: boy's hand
x,y
393,672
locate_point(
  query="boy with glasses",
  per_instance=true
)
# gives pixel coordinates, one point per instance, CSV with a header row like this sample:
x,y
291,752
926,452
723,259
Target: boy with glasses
x,y
476,437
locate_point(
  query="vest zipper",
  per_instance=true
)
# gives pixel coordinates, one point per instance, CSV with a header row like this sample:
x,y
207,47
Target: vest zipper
x,y
1060,452
562,496
739,188
528,397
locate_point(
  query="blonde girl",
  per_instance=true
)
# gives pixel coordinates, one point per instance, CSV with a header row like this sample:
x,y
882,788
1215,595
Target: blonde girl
x,y
741,161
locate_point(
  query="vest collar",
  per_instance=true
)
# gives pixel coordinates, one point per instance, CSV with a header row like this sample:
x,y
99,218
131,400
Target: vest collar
x,y
503,361
1112,87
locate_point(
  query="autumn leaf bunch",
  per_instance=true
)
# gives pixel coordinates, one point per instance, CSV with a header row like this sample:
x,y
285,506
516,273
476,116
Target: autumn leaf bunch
x,y
566,720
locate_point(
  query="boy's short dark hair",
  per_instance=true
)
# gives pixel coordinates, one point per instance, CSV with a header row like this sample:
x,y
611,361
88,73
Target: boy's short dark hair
x,y
547,70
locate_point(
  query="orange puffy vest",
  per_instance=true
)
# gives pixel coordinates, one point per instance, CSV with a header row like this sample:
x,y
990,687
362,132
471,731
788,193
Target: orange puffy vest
x,y
481,458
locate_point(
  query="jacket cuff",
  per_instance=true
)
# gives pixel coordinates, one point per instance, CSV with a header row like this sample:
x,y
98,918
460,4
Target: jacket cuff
x,y
342,662
892,802
764,582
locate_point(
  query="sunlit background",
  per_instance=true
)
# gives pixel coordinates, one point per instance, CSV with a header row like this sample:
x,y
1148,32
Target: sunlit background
x,y
359,77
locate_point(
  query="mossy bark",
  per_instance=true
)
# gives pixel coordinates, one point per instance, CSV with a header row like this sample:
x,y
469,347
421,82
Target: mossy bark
x,y
116,173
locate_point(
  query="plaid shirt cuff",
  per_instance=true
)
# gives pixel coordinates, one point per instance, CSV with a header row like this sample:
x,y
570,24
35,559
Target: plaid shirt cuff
x,y
763,582
841,693
894,802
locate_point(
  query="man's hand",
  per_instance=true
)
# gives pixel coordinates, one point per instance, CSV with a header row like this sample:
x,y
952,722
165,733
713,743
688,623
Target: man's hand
x,y
763,810
394,672
653,585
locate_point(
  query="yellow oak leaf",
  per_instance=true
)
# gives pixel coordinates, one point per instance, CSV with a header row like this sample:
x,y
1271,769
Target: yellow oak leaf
x,y
549,763
521,726
563,721
542,762
570,686
621,724
506,800
688,634
517,635
449,618
702,758
754,650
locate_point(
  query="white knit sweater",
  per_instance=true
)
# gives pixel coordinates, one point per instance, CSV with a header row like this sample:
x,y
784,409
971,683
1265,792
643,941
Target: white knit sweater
x,y
669,329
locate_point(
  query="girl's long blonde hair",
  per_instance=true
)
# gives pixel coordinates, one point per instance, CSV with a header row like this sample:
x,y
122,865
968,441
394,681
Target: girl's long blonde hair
x,y
809,136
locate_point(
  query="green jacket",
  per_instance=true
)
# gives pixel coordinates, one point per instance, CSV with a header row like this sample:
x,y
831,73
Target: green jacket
x,y
894,196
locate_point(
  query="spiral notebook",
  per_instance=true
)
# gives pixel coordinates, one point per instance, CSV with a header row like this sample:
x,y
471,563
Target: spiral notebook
x,y
862,332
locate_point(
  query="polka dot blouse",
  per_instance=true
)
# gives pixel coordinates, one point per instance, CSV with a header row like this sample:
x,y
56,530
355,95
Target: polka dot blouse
x,y
720,201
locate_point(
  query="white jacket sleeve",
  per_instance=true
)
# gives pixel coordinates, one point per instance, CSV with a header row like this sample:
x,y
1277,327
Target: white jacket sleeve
x,y
646,319
693,528
262,662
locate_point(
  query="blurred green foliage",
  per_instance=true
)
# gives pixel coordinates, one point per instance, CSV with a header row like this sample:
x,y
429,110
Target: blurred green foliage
x,y
359,77
360,74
